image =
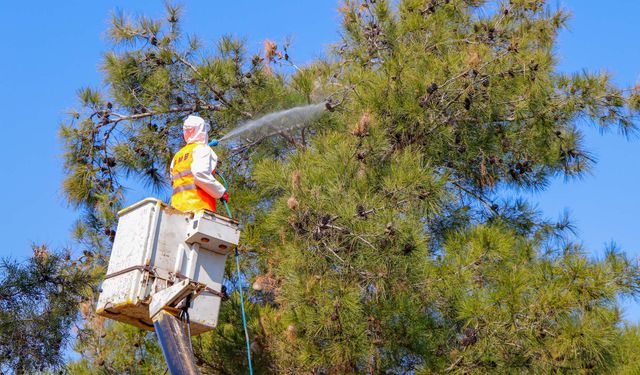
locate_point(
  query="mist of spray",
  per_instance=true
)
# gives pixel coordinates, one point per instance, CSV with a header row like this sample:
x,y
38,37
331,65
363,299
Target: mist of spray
x,y
276,122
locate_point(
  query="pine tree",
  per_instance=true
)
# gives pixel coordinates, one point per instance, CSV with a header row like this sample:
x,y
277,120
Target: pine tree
x,y
38,307
627,361
378,239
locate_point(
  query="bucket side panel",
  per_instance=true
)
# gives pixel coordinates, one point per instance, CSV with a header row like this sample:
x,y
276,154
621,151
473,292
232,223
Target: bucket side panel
x,y
204,311
133,237
209,268
118,291
170,240
210,271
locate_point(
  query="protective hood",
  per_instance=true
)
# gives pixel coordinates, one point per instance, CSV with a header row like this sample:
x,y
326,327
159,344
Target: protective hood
x,y
195,130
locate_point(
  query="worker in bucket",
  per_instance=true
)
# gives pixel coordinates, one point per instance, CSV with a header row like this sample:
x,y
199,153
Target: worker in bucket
x,y
192,169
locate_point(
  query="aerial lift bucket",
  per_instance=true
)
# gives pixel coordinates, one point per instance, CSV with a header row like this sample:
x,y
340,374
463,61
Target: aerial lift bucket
x,y
163,262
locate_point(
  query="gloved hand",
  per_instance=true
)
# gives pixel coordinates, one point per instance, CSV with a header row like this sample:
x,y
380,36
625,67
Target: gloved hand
x,y
225,197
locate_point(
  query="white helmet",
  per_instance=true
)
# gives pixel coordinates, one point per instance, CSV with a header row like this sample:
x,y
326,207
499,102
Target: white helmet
x,y
195,130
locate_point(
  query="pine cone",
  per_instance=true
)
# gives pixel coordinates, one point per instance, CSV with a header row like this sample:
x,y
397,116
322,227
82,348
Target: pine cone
x,y
389,230
361,128
361,211
295,179
264,283
467,103
290,333
292,203
471,337
270,49
433,87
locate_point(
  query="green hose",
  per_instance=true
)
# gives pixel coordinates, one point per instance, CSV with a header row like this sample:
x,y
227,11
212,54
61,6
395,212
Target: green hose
x,y
237,256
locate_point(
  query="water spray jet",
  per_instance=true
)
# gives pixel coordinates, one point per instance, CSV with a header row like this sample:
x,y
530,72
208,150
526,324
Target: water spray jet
x,y
274,123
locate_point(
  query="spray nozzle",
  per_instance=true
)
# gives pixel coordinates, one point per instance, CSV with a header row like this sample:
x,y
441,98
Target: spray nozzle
x,y
214,142
329,106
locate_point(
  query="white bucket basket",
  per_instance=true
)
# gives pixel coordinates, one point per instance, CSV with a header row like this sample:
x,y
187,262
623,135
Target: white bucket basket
x,y
157,246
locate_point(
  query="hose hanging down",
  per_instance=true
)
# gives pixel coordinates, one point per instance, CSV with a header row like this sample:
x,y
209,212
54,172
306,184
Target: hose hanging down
x,y
237,256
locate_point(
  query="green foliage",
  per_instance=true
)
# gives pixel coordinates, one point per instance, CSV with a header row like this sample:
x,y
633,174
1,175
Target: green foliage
x,y
627,357
512,309
116,348
222,351
38,306
339,290
378,238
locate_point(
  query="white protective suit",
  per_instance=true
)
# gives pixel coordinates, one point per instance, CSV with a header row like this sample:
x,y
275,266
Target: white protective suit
x,y
196,130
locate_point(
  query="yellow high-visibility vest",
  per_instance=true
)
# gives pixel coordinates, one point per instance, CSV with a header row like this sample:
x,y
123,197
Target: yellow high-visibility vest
x,y
186,195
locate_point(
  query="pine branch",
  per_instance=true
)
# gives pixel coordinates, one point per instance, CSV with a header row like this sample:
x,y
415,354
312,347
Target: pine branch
x,y
137,116
218,95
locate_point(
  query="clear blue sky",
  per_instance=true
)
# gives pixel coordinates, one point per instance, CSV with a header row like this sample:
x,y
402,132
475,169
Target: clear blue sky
x,y
50,49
